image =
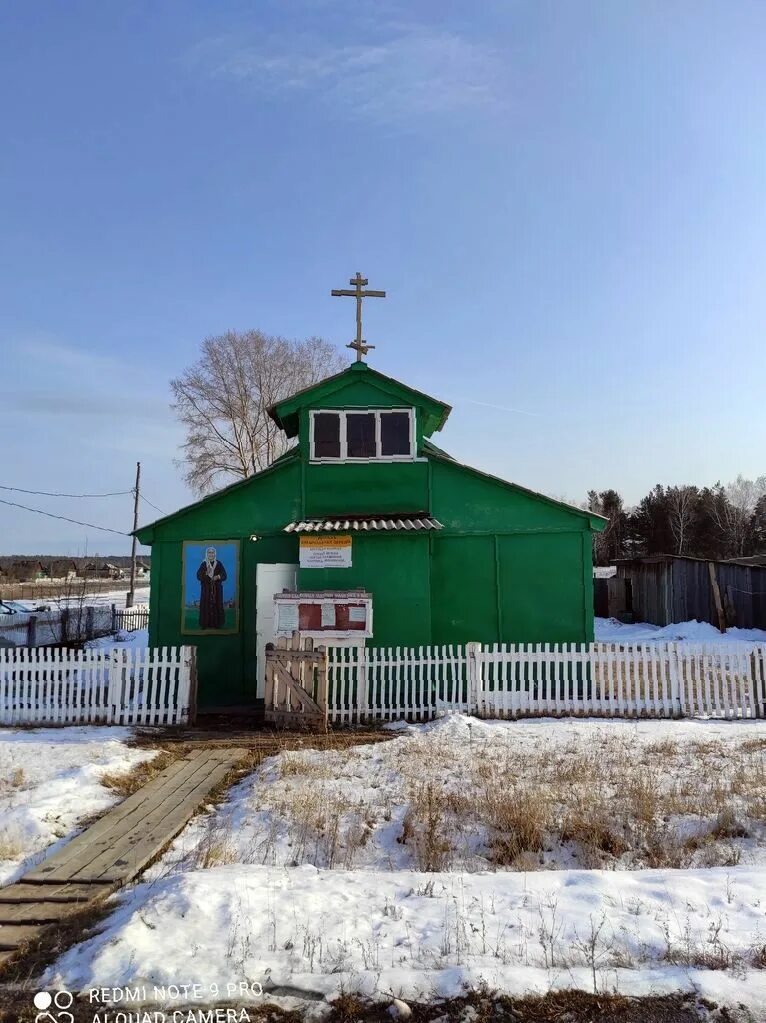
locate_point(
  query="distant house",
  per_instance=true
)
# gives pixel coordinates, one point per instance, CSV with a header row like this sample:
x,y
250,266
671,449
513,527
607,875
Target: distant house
x,y
25,571
103,570
62,568
142,569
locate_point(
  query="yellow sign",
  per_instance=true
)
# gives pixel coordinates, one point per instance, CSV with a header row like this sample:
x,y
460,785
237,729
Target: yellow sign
x,y
325,541
325,551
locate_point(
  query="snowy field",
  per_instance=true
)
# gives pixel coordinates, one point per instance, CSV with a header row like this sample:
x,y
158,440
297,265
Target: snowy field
x,y
609,630
50,785
452,855
89,599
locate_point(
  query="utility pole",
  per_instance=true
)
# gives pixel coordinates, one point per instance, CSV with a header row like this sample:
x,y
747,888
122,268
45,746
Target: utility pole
x,y
132,590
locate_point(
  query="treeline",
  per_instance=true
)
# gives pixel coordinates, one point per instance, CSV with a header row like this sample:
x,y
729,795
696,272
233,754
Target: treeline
x,y
717,522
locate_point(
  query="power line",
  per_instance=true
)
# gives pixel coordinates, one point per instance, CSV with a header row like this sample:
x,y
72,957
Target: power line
x,y
39,511
48,493
147,501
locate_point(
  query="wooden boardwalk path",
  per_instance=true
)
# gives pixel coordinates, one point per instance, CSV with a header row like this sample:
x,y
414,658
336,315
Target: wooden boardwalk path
x,y
111,852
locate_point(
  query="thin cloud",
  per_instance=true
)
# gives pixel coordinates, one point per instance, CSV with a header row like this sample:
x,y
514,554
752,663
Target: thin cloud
x,y
414,72
501,408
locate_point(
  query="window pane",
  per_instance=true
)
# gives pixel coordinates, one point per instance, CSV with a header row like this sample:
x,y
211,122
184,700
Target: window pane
x,y
394,433
327,435
360,434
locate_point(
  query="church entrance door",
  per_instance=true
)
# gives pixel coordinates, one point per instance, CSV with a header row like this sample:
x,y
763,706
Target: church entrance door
x,y
269,579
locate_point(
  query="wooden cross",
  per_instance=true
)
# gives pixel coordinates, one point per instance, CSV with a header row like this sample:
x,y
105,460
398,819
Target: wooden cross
x,y
360,346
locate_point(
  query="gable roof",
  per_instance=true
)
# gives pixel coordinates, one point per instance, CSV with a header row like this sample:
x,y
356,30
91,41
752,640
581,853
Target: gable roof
x,y
145,533
286,413
595,521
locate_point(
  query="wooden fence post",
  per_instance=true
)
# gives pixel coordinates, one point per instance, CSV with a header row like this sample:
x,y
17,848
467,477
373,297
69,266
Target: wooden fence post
x,y
758,673
473,670
88,622
32,631
676,696
64,624
322,683
191,661
363,702
717,597
114,687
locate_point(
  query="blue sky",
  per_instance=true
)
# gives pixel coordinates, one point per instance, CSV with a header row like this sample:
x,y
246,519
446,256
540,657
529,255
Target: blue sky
x,y
564,201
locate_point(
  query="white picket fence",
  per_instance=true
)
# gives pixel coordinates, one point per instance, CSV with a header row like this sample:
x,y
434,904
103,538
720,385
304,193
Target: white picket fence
x,y
726,680
110,685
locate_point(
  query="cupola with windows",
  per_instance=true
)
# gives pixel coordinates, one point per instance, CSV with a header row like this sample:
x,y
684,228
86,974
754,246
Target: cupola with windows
x,y
360,415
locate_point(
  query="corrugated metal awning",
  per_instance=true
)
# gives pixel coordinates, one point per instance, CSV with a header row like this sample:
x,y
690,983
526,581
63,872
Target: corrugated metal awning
x,y
363,524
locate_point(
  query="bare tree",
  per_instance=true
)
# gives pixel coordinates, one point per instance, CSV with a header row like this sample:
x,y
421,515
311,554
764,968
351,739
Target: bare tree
x,y
222,401
681,505
734,515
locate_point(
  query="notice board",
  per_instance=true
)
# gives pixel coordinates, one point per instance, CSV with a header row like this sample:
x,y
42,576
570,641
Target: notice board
x,y
329,614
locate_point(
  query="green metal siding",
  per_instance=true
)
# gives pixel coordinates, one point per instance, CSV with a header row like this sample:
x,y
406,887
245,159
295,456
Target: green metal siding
x,y
374,488
463,590
543,599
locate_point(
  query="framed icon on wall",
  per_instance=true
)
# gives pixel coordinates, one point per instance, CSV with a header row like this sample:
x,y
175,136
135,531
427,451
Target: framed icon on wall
x,y
210,581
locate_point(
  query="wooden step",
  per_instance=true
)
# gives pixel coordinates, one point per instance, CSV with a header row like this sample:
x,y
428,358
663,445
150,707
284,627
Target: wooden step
x,y
54,892
13,936
42,912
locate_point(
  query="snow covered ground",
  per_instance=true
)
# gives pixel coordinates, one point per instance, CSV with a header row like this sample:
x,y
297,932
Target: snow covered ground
x,y
410,934
49,784
449,855
609,630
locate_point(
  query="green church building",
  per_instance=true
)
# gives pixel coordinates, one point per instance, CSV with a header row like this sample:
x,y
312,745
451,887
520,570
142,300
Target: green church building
x,y
374,534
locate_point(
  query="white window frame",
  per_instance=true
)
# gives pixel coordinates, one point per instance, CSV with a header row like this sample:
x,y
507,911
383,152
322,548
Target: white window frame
x,y
344,455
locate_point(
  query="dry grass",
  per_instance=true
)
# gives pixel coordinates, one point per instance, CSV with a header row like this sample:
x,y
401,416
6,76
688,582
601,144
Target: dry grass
x,y
125,783
425,830
11,846
609,802
517,820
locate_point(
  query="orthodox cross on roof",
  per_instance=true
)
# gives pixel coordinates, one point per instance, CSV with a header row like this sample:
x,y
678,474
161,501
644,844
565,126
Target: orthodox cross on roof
x,y
359,283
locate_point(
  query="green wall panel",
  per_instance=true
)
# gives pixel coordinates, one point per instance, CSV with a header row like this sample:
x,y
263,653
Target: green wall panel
x,y
366,488
463,591
543,598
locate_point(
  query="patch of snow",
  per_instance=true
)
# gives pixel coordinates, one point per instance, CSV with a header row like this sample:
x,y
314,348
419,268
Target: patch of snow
x,y
50,782
135,640
610,630
411,935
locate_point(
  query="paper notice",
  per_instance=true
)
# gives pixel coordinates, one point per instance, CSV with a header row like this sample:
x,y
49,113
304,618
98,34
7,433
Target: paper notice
x,y
287,619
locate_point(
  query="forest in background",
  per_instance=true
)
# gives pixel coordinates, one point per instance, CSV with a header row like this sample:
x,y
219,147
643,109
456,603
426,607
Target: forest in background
x,y
716,523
